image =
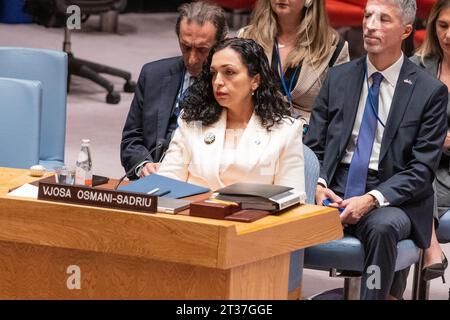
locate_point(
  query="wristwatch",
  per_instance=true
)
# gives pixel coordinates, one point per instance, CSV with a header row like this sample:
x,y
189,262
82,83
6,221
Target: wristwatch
x,y
321,183
377,203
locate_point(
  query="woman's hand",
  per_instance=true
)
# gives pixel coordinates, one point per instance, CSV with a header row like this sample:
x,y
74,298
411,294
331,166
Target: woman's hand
x,y
149,168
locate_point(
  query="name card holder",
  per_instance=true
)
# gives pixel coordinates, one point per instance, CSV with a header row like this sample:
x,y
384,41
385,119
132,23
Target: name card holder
x,y
84,195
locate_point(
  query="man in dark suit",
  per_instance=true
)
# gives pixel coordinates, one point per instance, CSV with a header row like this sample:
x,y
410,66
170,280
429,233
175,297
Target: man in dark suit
x,y
154,110
377,128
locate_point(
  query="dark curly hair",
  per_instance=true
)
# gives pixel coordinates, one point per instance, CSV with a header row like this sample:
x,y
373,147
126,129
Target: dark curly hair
x,y
199,103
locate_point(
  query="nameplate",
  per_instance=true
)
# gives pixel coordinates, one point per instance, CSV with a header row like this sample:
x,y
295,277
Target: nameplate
x,y
84,195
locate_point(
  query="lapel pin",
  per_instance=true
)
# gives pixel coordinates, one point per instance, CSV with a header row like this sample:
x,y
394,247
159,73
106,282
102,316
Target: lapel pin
x,y
209,138
407,81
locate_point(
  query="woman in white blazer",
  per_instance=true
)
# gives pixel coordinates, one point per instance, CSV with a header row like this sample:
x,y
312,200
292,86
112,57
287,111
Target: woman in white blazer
x,y
234,127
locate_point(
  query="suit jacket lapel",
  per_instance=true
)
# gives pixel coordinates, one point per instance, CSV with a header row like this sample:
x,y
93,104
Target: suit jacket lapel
x,y
431,65
351,105
170,86
308,76
212,152
402,95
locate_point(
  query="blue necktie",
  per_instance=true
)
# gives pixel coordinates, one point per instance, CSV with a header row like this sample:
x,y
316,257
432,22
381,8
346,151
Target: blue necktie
x,y
359,166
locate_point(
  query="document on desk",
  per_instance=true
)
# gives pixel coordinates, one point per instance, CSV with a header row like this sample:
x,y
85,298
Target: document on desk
x,y
167,187
259,196
25,191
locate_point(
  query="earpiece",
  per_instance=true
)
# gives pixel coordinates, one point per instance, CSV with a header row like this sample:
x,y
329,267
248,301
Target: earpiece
x,y
308,4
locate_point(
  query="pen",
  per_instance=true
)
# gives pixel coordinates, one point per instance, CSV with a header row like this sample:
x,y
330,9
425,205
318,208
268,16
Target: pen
x,y
163,193
153,191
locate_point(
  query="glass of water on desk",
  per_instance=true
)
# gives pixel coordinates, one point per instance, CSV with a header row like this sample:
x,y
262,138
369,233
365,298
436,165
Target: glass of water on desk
x,y
65,175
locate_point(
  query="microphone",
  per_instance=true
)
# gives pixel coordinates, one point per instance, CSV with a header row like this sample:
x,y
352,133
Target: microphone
x,y
159,150
160,144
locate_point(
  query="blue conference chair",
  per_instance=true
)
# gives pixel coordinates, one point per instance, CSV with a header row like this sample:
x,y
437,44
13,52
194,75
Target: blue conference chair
x,y
347,256
312,169
50,68
422,288
443,232
20,111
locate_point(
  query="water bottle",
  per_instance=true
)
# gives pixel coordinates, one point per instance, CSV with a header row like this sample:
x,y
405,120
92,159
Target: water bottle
x,y
83,171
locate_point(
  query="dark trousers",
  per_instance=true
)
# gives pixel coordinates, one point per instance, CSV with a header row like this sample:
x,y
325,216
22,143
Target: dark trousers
x,y
379,231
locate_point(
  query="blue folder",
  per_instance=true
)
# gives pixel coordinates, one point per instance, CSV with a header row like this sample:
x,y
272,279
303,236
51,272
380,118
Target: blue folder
x,y
176,188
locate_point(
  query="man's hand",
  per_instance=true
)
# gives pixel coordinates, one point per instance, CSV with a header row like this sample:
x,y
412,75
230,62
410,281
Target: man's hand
x,y
323,193
447,141
149,168
356,208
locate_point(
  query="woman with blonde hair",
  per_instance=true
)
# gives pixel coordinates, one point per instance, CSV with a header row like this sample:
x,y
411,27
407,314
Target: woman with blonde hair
x,y
300,46
434,57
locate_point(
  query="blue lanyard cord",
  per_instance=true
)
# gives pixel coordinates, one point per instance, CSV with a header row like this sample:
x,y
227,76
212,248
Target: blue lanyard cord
x,y
370,99
283,81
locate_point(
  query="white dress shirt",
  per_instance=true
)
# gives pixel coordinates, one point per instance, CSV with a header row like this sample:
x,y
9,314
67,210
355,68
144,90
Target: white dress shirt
x,y
387,90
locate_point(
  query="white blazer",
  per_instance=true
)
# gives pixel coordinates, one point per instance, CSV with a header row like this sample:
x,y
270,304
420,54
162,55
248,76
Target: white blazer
x,y
272,157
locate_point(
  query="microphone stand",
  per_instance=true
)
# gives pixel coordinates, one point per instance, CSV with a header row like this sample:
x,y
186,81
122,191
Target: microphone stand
x,y
161,143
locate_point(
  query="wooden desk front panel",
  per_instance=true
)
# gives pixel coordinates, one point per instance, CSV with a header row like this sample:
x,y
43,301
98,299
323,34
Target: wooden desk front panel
x,y
39,272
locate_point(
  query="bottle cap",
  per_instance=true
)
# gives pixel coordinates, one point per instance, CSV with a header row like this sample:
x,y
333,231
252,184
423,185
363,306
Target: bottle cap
x,y
37,171
85,141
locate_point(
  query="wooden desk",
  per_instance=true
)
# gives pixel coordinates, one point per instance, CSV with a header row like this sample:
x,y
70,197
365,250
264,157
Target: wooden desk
x,y
123,254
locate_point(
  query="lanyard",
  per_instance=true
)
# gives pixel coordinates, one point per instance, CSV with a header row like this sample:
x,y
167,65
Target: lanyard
x,y
283,81
372,105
